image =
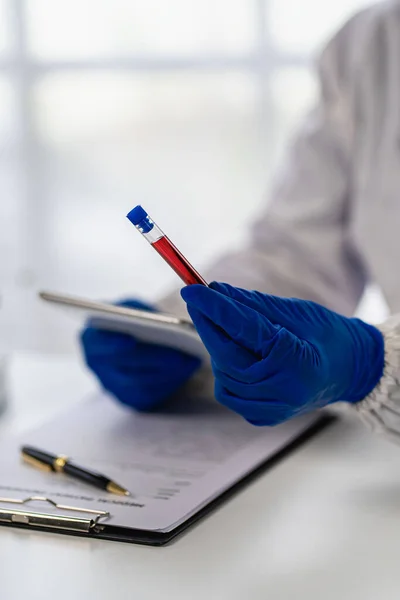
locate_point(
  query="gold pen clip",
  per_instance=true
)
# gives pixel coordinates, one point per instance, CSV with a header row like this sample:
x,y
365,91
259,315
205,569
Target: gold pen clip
x,y
34,462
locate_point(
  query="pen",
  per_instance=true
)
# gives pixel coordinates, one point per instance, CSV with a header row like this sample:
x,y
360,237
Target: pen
x,y
61,464
163,245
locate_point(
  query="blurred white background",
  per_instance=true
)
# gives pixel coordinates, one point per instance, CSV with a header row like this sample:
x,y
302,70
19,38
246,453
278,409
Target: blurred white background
x,y
182,106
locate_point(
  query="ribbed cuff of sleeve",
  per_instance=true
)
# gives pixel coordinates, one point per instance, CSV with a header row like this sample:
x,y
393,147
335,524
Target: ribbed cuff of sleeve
x,y
381,408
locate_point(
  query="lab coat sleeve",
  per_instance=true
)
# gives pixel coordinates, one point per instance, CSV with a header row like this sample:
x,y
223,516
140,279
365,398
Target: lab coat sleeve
x,y
301,244
381,408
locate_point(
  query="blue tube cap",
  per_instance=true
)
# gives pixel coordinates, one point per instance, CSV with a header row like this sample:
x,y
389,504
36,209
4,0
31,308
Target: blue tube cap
x,y
140,219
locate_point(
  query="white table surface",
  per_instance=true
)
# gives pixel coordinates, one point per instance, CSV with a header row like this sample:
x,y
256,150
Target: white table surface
x,y
324,524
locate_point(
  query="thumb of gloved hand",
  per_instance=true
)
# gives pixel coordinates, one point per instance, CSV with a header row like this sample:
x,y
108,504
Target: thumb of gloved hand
x,y
274,358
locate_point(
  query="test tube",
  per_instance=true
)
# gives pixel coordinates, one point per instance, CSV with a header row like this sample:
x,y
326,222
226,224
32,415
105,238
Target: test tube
x,y
163,245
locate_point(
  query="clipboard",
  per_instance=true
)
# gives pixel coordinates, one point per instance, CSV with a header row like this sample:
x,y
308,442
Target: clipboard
x,y
44,520
81,521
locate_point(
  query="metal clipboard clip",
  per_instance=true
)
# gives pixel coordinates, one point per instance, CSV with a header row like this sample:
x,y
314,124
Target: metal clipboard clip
x,y
51,520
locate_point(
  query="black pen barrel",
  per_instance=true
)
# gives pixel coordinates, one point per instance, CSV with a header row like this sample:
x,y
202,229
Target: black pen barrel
x,y
89,477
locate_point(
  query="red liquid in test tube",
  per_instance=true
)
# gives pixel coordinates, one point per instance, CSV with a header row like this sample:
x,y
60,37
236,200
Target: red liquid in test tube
x,y
177,261
164,246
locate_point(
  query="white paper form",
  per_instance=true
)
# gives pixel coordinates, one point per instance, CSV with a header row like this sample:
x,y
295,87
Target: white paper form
x,y
173,462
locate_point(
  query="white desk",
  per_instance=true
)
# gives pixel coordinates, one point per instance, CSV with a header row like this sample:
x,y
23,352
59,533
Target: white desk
x,y
322,525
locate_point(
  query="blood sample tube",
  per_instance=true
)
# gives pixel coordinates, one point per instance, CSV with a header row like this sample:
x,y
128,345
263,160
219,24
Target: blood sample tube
x,y
163,245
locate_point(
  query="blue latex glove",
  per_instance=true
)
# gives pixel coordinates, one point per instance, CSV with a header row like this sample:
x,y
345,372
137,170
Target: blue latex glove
x,y
140,375
274,358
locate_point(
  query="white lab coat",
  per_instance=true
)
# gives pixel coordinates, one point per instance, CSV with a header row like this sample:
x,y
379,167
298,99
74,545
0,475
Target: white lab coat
x,y
333,222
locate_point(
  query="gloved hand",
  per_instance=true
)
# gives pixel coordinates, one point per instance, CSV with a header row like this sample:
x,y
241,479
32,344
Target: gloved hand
x,y
140,375
274,358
